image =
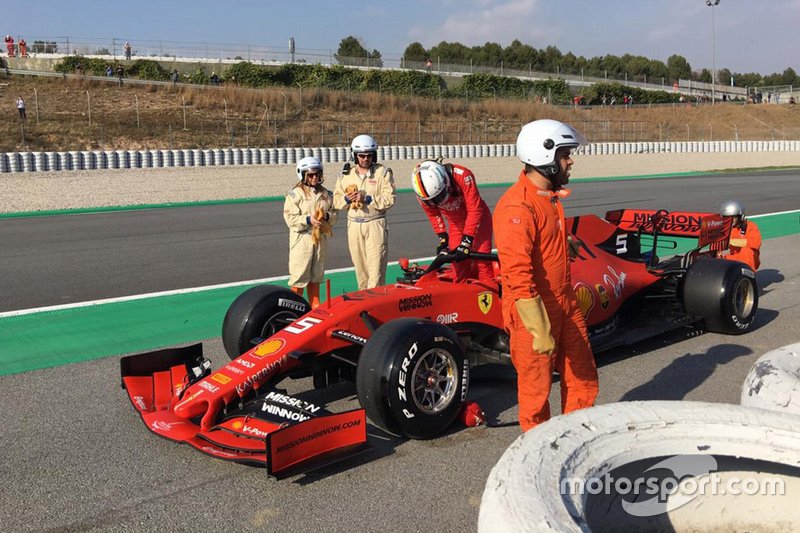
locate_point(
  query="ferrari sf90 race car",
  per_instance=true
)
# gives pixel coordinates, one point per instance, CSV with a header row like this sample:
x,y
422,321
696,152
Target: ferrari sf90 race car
x,y
409,346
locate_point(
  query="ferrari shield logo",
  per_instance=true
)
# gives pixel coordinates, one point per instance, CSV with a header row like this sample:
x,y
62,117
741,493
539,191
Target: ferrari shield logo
x,y
485,302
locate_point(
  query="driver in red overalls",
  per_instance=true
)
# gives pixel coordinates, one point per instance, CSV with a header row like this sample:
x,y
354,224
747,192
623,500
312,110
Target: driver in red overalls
x,y
449,193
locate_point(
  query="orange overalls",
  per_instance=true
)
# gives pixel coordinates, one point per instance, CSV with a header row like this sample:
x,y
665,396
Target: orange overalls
x,y
531,243
750,253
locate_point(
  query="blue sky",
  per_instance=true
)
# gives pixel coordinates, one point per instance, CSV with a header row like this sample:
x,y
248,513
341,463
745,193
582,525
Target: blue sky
x,y
751,35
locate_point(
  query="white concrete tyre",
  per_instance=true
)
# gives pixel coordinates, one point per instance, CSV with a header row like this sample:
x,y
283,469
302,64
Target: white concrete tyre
x,y
523,491
774,381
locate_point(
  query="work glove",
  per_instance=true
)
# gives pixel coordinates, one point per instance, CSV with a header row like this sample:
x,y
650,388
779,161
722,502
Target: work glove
x,y
534,317
346,168
462,252
573,247
441,248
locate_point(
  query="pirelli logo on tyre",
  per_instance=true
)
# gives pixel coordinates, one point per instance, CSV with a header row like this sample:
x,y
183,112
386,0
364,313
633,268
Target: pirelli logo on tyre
x,y
415,302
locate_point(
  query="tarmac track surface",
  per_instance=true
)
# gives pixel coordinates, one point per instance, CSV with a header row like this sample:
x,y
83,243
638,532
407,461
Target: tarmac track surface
x,y
65,259
76,457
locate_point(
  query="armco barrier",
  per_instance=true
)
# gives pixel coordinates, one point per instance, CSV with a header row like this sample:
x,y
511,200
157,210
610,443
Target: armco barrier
x,y
112,159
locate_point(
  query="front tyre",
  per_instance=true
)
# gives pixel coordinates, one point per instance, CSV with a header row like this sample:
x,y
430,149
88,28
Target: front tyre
x,y
723,293
412,377
259,313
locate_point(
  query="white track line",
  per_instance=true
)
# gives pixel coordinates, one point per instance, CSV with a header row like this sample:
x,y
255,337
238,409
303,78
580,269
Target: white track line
x,y
222,286
134,297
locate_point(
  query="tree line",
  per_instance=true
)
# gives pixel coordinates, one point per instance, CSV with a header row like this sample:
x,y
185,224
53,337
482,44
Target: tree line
x,y
550,59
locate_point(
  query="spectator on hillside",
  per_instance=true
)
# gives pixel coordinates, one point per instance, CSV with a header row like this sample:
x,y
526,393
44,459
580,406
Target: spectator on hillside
x,y
120,74
79,68
613,100
23,48
109,71
23,116
173,76
127,49
604,100
214,79
791,100
428,65
10,45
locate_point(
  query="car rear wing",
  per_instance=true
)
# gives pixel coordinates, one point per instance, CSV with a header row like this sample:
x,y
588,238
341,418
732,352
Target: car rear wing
x,y
709,228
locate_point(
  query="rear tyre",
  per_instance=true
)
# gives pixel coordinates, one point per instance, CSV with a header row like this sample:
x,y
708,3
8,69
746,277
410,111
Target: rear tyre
x,y
259,313
723,293
412,378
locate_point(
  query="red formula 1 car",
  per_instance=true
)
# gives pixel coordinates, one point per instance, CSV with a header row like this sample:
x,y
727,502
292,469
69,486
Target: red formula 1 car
x,y
410,345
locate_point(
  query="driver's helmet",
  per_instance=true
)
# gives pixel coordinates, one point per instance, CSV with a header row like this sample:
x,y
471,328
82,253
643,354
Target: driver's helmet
x,y
306,164
431,182
538,141
731,208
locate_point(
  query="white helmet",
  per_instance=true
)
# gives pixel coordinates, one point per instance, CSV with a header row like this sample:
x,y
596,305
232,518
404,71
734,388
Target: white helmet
x,y
364,144
431,182
538,141
731,208
306,164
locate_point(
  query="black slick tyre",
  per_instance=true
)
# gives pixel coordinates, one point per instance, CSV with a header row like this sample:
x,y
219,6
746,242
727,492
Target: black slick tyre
x,y
259,313
412,377
723,293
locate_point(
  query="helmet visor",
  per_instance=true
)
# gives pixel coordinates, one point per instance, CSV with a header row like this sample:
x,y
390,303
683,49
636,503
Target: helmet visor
x,y
440,198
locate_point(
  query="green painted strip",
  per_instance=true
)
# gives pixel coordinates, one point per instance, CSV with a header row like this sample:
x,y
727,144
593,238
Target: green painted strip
x,y
257,199
54,338
107,209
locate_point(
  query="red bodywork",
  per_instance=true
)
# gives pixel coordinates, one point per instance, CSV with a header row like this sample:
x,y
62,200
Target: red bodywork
x,y
609,271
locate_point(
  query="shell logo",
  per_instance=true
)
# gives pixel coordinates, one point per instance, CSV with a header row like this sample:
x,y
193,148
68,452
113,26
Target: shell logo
x,y
237,425
269,347
585,299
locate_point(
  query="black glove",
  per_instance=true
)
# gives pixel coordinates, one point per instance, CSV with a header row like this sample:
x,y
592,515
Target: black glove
x,y
462,252
346,168
442,246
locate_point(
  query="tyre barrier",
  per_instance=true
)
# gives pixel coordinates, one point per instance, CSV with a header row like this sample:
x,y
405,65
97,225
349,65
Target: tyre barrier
x,y
25,160
535,486
40,161
774,381
90,160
